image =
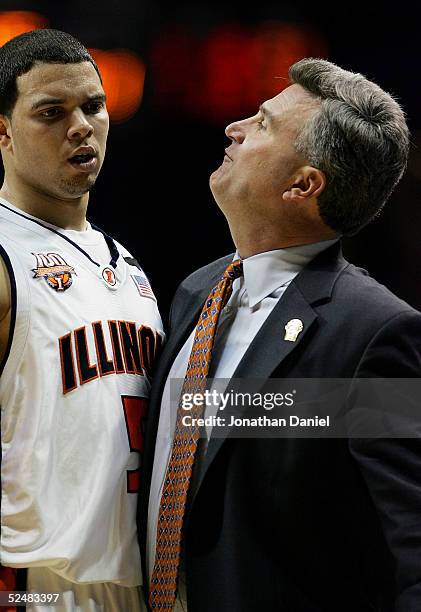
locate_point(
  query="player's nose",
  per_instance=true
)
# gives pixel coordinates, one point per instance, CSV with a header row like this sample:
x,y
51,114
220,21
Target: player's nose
x,y
80,127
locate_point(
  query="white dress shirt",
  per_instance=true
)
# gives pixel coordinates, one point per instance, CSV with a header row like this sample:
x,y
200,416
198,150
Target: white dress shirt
x,y
266,277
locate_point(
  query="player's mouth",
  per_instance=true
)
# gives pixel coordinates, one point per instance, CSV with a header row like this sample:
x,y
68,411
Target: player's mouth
x,y
84,159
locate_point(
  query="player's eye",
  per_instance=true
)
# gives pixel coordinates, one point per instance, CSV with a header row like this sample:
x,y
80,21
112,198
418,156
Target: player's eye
x,y
92,108
51,113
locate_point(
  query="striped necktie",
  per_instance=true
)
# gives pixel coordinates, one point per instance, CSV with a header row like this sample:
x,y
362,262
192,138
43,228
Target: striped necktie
x,y
163,586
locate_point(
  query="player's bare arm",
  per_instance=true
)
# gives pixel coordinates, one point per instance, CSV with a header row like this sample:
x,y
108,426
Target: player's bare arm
x,y
5,304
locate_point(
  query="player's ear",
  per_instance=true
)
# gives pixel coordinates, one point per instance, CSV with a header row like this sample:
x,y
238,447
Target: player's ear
x,y
5,127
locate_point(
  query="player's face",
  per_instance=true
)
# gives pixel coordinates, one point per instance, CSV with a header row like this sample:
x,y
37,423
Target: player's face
x,y
261,159
58,129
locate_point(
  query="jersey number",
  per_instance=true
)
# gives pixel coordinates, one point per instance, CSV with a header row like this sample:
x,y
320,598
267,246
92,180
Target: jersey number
x,y
135,411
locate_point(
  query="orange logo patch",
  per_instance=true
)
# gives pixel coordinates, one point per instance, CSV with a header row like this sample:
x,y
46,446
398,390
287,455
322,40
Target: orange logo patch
x,y
53,268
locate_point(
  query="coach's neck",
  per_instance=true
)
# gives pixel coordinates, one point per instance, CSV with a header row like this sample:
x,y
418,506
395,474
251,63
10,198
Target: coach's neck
x,y
258,234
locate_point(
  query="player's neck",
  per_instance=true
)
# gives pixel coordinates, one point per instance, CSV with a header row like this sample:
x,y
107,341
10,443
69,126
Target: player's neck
x,y
67,214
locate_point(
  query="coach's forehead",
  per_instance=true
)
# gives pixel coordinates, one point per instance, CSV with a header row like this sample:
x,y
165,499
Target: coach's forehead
x,y
58,80
293,104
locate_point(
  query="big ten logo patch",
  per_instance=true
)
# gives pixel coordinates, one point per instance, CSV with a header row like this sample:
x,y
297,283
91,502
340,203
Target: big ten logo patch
x,y
54,270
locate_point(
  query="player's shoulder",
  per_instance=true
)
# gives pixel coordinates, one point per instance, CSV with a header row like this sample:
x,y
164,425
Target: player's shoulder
x,y
124,252
130,259
122,249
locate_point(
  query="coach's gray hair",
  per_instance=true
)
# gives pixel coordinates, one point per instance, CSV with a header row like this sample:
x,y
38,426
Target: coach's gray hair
x,y
358,138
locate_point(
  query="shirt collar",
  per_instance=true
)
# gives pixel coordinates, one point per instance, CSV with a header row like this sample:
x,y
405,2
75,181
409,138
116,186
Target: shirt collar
x,y
266,272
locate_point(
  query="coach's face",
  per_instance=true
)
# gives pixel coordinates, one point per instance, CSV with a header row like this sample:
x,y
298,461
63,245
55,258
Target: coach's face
x,y
261,162
58,130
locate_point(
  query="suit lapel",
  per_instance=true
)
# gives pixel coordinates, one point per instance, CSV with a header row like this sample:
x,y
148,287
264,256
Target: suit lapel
x,y
269,347
264,355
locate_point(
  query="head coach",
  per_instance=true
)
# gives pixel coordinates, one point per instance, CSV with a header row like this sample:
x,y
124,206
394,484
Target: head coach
x,y
299,524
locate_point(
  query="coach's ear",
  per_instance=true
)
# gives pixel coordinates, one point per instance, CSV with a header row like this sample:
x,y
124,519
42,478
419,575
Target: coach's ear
x,y
5,140
307,184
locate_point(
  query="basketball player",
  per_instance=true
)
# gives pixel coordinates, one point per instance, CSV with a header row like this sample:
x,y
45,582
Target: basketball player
x,y
79,329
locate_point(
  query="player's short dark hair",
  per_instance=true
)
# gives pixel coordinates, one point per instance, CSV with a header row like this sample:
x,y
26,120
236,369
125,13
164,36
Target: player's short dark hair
x,y
21,53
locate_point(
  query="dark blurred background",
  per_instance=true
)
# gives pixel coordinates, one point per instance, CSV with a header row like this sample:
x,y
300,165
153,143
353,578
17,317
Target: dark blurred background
x,y
176,74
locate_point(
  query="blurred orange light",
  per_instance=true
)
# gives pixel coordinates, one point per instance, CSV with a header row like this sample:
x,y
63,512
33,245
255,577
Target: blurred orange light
x,y
232,72
245,67
123,76
13,23
281,46
228,73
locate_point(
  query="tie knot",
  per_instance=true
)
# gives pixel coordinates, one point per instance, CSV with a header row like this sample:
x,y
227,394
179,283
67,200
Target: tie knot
x,y
234,270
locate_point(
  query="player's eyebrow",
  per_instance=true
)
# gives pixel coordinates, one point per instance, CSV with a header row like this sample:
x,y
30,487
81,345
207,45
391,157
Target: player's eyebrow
x,y
43,101
100,97
97,98
266,112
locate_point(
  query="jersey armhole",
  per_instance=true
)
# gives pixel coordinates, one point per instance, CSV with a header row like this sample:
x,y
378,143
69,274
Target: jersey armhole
x,y
13,301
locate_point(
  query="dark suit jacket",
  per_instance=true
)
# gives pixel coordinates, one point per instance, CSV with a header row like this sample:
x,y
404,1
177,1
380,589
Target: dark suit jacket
x,y
305,525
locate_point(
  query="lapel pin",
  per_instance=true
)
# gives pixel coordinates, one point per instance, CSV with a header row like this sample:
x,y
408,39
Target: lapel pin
x,y
292,329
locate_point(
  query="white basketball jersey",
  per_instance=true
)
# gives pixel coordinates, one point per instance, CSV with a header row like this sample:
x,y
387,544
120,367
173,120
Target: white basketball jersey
x,y
73,396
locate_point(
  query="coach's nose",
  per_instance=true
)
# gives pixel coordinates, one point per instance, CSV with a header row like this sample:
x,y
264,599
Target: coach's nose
x,y
236,131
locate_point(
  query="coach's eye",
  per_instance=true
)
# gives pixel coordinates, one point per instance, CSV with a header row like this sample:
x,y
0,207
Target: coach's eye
x,y
260,124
